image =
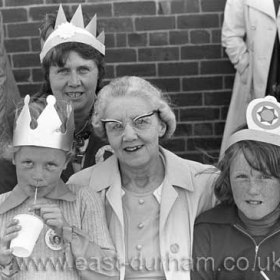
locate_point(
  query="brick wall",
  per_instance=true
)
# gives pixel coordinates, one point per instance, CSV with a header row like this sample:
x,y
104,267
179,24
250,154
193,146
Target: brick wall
x,y
175,44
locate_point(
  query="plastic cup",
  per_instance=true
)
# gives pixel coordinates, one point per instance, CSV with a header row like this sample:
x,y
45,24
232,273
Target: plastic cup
x,y
31,226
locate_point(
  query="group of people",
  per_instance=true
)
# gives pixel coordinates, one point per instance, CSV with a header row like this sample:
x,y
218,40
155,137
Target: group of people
x,y
120,205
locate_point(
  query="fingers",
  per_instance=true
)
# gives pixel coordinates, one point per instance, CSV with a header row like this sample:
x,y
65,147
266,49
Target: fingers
x,y
11,231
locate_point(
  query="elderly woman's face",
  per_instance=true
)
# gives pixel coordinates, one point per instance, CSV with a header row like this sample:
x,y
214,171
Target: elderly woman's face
x,y
75,81
134,135
254,193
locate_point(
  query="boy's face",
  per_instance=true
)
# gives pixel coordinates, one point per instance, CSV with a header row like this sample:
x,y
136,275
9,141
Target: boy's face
x,y
39,167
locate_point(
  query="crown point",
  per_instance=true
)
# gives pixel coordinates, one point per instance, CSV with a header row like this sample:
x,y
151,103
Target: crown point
x,y
77,18
26,99
60,18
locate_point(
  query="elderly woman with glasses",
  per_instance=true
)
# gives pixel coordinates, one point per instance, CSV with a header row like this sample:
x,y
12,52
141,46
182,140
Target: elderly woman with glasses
x,y
151,195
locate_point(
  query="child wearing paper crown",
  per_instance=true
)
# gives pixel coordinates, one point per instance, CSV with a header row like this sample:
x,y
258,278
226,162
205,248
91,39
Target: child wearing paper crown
x,y
74,223
240,238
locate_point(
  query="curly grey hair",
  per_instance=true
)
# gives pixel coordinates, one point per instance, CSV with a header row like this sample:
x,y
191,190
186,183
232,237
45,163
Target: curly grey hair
x,y
133,86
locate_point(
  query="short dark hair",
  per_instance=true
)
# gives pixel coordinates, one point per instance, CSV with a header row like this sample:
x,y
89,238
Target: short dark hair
x,y
58,55
263,157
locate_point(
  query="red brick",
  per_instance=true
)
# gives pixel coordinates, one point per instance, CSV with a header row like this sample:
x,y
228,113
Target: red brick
x,y
37,75
203,129
158,38
178,69
201,52
200,36
137,39
121,40
179,37
14,15
26,60
109,72
183,129
202,83
30,89
158,54
9,3
21,45
134,8
167,85
219,128
198,21
64,1
187,99
213,5
199,114
174,145
35,44
217,98
120,55
216,35
224,111
101,10
185,6
110,40
205,143
155,23
38,13
23,30
136,69
229,81
116,24
217,67
22,75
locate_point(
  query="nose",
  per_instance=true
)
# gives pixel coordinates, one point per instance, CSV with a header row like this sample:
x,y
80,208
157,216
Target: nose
x,y
254,187
74,79
129,133
38,175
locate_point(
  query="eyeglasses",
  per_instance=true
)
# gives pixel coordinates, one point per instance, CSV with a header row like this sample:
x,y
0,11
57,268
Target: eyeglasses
x,y
139,123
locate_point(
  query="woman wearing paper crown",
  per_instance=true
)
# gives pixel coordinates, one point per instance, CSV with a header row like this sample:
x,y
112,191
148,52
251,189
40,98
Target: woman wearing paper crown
x,y
240,238
152,196
74,241
72,58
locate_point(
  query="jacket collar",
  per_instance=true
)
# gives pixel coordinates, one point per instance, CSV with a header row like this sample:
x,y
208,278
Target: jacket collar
x,y
17,196
174,168
266,6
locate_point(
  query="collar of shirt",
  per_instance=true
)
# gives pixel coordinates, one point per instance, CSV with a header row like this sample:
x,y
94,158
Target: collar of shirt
x,y
18,196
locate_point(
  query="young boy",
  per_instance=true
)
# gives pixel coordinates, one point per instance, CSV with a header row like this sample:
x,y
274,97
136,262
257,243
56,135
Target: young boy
x,y
74,223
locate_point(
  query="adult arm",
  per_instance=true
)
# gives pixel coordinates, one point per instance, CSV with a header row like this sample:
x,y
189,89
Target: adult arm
x,y
233,35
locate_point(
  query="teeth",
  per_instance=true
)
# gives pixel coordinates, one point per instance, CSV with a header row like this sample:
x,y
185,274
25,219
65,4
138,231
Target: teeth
x,y
131,149
254,202
74,94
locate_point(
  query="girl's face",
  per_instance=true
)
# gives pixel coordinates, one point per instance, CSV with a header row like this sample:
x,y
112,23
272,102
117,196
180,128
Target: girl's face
x,y
254,193
39,167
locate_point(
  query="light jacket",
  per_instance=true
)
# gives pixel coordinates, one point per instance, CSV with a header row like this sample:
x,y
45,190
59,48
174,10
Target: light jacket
x,y
248,35
187,191
224,250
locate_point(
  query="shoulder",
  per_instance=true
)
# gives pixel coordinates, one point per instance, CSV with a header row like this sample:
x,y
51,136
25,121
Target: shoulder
x,y
8,177
220,214
82,177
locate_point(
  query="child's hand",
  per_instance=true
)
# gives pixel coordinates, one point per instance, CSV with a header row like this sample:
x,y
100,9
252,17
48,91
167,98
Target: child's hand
x,y
11,231
52,216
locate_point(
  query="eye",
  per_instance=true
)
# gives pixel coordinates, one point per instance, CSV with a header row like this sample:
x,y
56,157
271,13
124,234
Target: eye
x,y
27,163
51,165
62,71
142,122
240,176
266,177
83,70
116,126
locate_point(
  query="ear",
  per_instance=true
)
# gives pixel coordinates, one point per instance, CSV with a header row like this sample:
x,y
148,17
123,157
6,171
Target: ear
x,y
162,128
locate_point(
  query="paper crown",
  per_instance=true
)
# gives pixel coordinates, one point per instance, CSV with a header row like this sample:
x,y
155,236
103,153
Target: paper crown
x,y
263,120
73,31
49,130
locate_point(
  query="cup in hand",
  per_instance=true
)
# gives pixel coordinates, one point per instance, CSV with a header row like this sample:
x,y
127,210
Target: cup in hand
x,y
31,226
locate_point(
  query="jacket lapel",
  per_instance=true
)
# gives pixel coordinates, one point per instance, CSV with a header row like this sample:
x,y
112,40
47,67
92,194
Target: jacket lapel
x,y
264,6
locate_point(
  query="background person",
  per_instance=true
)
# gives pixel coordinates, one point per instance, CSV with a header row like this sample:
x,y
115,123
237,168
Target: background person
x,y
73,68
151,195
250,35
239,239
41,149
